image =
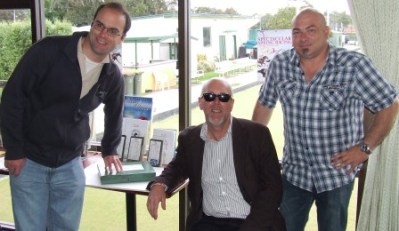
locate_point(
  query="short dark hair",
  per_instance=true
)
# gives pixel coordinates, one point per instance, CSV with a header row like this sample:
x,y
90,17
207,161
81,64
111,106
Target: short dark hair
x,y
119,7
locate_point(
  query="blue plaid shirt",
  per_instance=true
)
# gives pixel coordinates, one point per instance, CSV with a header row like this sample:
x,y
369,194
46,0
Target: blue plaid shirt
x,y
323,116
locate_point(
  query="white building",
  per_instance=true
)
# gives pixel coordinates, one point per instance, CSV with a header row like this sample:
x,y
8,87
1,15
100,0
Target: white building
x,y
153,39
217,37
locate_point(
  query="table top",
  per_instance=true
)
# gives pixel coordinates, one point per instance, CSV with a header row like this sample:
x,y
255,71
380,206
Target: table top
x,y
93,180
3,170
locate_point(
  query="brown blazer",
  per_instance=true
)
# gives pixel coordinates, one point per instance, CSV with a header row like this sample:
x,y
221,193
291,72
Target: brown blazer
x,y
257,169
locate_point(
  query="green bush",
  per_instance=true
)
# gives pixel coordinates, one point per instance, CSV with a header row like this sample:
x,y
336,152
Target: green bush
x,y
206,66
201,57
16,38
14,41
58,28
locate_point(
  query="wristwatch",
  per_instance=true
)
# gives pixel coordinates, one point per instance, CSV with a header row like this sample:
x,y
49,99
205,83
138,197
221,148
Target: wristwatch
x,y
365,148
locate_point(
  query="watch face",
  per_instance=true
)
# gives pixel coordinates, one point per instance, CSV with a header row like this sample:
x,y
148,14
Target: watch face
x,y
365,148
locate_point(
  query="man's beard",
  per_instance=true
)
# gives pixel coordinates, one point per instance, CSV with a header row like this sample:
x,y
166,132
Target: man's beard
x,y
305,51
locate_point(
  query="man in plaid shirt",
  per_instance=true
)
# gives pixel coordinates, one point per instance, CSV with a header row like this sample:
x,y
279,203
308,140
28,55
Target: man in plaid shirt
x,y
323,91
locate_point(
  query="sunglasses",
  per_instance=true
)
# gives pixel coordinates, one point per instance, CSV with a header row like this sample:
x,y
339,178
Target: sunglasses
x,y
223,97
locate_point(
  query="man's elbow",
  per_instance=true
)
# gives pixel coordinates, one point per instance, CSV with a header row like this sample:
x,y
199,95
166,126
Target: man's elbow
x,y
261,114
395,105
393,110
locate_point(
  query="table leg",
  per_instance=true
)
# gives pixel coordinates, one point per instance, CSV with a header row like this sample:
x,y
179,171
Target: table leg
x,y
131,220
183,209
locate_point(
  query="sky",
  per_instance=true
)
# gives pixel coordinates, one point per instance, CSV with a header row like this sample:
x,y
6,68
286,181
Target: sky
x,y
261,7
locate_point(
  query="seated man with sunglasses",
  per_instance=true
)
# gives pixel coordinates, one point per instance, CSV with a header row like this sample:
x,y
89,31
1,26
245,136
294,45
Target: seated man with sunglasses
x,y
232,166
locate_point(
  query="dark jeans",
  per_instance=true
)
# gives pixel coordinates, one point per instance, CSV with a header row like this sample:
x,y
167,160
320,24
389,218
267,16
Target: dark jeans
x,y
332,207
208,223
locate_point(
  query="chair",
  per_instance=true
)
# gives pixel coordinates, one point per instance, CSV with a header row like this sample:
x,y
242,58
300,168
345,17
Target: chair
x,y
161,80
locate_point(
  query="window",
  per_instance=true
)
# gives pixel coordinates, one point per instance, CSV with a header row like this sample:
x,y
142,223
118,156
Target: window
x,y
206,36
13,23
147,56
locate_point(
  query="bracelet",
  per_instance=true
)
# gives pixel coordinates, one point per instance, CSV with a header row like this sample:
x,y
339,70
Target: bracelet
x,y
161,184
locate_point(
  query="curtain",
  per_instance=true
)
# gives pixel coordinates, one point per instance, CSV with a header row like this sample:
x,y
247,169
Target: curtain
x,y
377,24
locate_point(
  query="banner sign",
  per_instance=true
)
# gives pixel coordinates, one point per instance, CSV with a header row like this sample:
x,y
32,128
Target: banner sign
x,y
272,42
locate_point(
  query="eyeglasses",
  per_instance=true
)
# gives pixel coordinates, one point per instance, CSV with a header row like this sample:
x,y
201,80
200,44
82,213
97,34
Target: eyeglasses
x,y
223,97
99,26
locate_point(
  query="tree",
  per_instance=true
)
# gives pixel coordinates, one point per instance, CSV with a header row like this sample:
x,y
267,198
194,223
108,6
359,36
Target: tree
x,y
264,20
13,15
210,10
338,21
231,11
81,12
281,20
54,9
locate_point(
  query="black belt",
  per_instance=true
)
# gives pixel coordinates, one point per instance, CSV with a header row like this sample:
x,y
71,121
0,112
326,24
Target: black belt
x,y
229,220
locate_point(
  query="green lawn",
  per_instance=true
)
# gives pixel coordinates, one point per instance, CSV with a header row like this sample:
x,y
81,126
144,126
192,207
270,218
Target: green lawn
x,y
105,210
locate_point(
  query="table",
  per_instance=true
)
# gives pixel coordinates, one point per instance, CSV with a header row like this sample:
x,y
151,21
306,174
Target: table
x,y
3,169
130,190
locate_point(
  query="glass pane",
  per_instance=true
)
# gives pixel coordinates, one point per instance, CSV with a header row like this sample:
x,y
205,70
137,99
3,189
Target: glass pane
x,y
233,39
224,43
15,39
237,39
148,60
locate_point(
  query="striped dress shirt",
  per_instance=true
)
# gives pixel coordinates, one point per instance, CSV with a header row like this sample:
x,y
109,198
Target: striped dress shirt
x,y
222,197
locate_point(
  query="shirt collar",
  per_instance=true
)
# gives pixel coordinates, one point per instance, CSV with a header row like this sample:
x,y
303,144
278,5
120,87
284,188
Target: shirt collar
x,y
204,130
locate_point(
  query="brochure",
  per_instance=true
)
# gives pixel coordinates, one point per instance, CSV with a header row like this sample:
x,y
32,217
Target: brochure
x,y
168,138
132,144
138,107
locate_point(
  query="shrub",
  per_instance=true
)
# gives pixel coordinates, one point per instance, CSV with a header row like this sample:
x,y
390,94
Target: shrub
x,y
206,66
16,38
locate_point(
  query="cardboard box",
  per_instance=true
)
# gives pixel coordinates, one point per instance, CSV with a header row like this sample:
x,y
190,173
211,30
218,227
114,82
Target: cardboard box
x,y
135,171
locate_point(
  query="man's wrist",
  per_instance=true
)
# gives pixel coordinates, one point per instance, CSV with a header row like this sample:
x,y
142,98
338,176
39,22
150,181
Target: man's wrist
x,y
159,184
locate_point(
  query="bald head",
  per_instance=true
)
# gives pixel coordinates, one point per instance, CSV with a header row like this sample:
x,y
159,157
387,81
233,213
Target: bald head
x,y
220,82
310,12
310,36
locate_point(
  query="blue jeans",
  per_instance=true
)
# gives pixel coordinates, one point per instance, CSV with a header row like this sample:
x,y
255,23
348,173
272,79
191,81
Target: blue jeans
x,y
48,198
332,207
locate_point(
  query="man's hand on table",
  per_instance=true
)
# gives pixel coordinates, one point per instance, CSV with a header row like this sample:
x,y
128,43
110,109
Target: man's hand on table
x,y
113,160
